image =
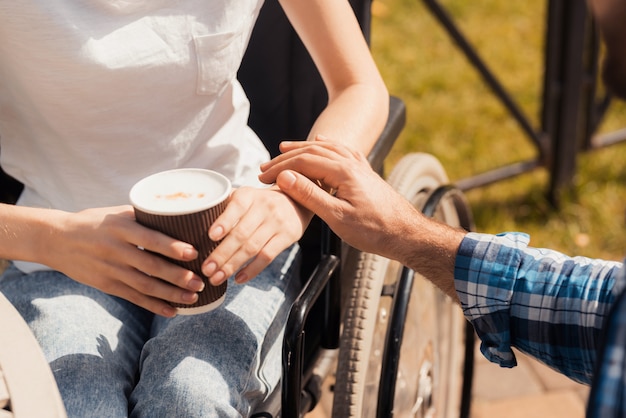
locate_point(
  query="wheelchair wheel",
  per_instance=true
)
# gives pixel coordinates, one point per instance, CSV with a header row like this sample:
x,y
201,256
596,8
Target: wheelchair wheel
x,y
429,373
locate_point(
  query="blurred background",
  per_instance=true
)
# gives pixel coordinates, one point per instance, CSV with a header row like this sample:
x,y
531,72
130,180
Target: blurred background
x,y
452,114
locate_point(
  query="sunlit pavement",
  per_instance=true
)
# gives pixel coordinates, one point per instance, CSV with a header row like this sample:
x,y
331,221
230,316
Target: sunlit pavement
x,y
530,390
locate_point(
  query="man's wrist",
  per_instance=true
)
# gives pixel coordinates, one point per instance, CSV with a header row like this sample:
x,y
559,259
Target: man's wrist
x,y
431,251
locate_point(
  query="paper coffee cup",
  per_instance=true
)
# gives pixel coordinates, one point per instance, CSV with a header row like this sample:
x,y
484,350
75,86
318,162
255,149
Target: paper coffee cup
x,y
183,204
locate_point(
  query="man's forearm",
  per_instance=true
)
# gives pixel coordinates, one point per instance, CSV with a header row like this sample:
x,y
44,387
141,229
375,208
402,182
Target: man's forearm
x,y
429,248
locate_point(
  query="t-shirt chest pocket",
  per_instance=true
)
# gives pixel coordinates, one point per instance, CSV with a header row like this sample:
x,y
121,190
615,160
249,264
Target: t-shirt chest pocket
x,y
219,57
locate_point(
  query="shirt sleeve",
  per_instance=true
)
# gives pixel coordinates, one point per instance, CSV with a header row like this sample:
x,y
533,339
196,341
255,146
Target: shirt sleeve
x,y
540,301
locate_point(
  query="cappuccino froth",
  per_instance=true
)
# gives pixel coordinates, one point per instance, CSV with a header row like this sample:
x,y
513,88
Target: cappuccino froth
x,y
177,192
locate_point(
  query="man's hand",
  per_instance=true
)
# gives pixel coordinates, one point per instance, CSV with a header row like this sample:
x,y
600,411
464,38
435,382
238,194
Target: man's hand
x,y
364,211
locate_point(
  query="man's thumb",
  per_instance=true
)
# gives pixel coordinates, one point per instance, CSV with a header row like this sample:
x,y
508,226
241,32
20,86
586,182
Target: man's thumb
x,y
303,191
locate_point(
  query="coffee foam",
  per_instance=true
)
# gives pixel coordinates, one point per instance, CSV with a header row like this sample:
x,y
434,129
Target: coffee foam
x,y
181,191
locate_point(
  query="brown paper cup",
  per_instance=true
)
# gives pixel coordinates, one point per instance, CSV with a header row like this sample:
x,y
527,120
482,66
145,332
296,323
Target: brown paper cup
x,y
183,204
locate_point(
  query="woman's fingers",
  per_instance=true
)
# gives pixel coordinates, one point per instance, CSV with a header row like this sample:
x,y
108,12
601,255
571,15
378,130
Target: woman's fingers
x,y
313,166
255,227
107,249
323,161
262,259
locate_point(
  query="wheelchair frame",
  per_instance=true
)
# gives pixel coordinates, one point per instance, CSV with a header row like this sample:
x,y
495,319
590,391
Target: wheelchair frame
x,y
286,95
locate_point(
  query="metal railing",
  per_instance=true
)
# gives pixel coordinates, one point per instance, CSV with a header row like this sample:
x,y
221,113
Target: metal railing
x,y
571,109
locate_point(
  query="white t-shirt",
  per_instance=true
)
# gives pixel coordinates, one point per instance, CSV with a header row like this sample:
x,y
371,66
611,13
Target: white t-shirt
x,y
96,94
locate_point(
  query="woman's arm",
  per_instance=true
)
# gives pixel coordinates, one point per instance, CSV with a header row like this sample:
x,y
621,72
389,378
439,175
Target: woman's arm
x,y
258,224
358,99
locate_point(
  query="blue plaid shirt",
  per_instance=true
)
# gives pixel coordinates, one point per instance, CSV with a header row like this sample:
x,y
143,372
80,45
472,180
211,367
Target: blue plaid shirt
x,y
565,311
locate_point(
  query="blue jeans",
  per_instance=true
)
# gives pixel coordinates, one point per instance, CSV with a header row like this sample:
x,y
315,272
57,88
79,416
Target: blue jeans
x,y
111,358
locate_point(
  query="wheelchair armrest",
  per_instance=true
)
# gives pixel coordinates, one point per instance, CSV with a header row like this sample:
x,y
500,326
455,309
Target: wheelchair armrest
x,y
294,339
395,124
293,343
10,189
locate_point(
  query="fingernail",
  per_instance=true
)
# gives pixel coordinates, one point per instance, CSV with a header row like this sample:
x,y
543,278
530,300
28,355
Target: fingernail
x,y
320,137
189,296
217,278
241,278
196,285
209,269
169,312
216,233
288,179
190,253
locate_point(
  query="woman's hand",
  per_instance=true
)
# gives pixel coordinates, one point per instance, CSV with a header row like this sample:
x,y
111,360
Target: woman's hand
x,y
105,248
257,225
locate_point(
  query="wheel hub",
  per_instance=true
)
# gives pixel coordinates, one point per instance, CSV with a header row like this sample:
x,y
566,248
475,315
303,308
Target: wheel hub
x,y
424,406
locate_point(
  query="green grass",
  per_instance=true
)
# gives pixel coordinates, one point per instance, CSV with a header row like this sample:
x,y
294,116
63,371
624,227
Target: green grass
x,y
452,114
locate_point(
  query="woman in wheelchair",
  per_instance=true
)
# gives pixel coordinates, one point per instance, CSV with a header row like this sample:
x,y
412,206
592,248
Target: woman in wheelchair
x,y
96,95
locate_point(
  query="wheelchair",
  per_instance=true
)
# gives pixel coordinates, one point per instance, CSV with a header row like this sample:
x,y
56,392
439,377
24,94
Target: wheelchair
x,y
392,343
